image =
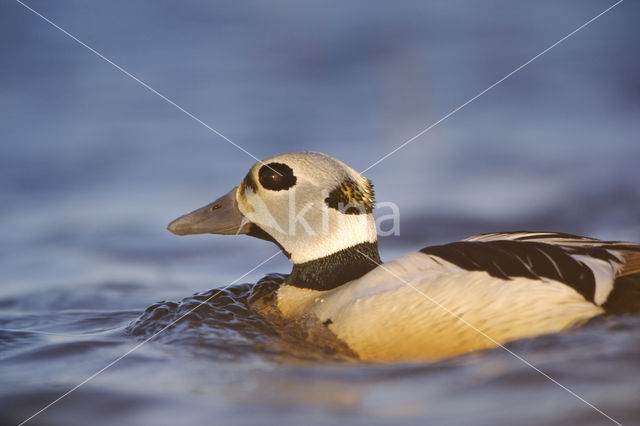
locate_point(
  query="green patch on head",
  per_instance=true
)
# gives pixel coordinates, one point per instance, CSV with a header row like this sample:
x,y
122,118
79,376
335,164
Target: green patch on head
x,y
351,198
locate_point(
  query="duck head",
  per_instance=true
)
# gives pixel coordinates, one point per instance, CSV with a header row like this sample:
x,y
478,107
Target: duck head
x,y
314,207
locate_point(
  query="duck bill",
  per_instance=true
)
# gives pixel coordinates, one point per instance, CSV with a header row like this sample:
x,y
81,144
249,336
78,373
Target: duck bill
x,y
220,217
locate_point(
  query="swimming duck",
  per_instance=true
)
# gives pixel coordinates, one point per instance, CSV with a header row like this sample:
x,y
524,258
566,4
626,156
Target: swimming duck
x,y
441,301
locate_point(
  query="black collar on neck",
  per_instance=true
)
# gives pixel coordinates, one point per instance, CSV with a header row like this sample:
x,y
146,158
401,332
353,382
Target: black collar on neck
x,y
335,269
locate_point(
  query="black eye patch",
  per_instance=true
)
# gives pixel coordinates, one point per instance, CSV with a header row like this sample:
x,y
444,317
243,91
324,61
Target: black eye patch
x,y
276,176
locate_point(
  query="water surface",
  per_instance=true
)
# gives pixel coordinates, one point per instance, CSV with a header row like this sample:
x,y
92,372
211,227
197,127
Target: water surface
x,y
93,166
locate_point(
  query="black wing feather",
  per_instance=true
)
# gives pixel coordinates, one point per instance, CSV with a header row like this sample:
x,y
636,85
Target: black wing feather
x,y
506,259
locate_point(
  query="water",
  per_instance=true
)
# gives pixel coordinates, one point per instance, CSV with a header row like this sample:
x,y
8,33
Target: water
x,y
93,167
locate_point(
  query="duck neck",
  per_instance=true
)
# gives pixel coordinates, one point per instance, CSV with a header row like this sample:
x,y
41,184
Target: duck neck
x,y
333,270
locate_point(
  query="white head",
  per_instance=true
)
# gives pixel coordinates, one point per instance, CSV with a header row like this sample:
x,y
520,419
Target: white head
x,y
310,204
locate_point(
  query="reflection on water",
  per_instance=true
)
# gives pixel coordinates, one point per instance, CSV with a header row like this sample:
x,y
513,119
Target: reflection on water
x,y
93,167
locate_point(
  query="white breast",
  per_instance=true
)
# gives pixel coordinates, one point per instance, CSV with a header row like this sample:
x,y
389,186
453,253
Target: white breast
x,y
410,308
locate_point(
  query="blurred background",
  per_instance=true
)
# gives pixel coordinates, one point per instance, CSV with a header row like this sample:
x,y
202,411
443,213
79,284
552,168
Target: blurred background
x,y
93,165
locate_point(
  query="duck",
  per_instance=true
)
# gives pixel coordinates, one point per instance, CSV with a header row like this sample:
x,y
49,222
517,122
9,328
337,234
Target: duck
x,y
441,301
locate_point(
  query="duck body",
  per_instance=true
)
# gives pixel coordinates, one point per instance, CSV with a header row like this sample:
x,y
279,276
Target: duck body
x,y
423,306
438,302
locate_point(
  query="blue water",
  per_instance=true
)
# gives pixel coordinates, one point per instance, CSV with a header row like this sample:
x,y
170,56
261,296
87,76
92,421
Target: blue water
x,y
93,166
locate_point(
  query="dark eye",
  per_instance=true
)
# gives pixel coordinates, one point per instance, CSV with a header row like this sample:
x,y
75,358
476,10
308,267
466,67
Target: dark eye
x,y
276,176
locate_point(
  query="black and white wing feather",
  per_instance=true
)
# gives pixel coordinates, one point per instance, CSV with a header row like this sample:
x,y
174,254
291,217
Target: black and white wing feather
x,y
606,273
